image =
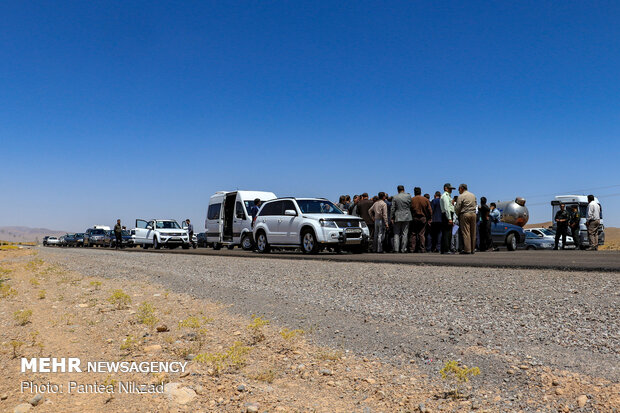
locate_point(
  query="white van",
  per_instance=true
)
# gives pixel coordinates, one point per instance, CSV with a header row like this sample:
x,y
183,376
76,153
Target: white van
x,y
228,218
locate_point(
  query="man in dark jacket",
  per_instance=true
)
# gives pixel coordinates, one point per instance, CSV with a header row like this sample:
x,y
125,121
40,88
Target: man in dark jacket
x,y
436,222
485,224
422,214
574,221
561,222
363,208
118,234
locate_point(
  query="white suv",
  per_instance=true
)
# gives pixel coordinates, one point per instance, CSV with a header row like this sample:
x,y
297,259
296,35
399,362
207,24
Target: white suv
x,y
160,232
310,224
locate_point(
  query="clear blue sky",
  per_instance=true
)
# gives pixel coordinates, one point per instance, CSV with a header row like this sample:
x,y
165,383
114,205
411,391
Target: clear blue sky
x,y
144,109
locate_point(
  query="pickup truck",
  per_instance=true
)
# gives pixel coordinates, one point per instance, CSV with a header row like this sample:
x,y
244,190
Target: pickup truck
x,y
160,232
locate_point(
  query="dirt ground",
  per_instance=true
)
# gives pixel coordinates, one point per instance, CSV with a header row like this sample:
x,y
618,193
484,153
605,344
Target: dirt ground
x,y
233,364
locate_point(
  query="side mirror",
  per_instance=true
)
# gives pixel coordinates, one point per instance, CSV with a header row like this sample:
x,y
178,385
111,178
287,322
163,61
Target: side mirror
x,y
290,213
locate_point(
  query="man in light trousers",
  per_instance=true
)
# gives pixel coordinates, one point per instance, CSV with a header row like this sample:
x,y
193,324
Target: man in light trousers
x,y
378,213
466,209
400,216
593,222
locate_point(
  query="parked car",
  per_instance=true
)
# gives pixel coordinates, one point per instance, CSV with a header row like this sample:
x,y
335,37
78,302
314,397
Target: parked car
x,y
548,235
508,235
537,242
201,240
110,239
160,232
67,240
94,237
311,224
52,241
79,239
228,221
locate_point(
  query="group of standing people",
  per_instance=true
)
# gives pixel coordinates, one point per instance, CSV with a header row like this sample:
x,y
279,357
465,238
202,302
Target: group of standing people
x,y
404,223
566,220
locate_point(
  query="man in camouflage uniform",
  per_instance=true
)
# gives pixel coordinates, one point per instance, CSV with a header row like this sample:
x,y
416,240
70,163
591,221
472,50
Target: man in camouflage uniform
x,y
561,222
574,220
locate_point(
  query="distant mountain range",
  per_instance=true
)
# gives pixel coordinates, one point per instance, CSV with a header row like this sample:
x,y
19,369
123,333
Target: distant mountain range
x,y
27,234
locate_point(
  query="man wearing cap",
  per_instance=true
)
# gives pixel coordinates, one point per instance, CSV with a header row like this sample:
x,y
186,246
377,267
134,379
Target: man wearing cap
x,y
447,217
466,210
561,222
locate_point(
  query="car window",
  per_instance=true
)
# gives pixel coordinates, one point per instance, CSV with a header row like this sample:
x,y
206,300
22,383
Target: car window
x,y
239,212
288,205
167,225
214,211
141,224
97,232
271,208
317,206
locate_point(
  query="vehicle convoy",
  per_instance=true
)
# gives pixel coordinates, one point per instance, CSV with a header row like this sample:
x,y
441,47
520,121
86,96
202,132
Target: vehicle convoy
x,y
509,231
543,238
158,233
581,201
94,237
228,221
311,224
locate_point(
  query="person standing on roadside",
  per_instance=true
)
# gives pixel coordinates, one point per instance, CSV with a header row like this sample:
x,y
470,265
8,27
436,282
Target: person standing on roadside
x,y
422,215
363,206
485,224
447,218
353,205
400,215
378,212
466,210
574,220
561,226
593,222
118,234
190,231
254,210
436,222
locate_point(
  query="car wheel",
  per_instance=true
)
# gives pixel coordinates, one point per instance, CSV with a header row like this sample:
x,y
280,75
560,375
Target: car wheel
x,y
246,242
511,242
156,244
309,245
217,246
261,243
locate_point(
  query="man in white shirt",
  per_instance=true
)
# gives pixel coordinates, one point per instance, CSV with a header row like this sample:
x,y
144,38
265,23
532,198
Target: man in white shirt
x,y
593,222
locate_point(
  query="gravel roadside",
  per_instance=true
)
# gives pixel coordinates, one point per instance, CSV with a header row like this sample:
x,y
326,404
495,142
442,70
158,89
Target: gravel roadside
x,y
493,318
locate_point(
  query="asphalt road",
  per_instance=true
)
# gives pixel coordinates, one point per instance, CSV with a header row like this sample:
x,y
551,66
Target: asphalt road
x,y
568,260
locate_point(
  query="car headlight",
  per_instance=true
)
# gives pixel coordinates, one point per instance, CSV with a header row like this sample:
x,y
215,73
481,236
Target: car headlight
x,y
363,224
327,224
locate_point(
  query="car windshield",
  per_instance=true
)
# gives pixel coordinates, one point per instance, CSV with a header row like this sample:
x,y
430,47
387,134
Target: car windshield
x,y
547,231
97,232
80,235
317,206
167,225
